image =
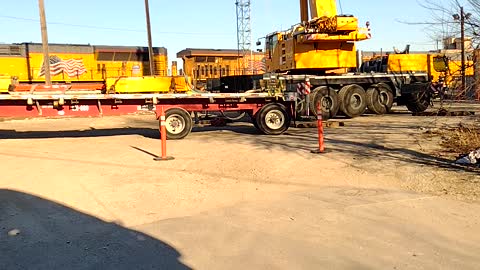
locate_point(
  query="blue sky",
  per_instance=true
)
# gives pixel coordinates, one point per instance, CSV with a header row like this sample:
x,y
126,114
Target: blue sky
x,y
197,24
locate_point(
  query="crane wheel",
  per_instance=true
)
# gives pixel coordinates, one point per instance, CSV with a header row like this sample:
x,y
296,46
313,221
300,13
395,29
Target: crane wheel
x,y
328,99
353,100
178,122
418,102
417,97
379,98
273,119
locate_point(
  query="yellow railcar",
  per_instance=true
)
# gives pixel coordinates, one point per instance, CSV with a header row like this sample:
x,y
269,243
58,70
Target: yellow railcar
x,y
79,63
439,66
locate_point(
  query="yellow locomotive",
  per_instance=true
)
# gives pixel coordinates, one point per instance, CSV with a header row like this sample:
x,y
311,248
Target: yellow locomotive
x,y
79,63
70,63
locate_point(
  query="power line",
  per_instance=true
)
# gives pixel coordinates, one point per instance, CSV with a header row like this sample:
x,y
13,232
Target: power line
x,y
113,28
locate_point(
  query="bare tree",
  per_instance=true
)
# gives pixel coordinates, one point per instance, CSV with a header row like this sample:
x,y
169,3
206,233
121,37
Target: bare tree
x,y
446,21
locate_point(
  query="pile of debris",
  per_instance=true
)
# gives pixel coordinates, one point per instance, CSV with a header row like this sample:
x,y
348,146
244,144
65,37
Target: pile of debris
x,y
473,158
463,139
458,142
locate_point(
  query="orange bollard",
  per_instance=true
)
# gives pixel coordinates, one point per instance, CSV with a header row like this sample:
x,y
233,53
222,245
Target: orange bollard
x,y
163,135
321,145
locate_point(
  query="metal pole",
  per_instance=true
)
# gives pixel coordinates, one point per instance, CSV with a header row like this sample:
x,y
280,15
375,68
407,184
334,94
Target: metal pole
x,y
46,58
462,45
250,39
149,32
238,36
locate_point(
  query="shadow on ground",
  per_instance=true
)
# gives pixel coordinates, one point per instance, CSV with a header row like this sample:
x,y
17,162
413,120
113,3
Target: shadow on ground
x,y
355,141
359,143
36,233
151,133
92,132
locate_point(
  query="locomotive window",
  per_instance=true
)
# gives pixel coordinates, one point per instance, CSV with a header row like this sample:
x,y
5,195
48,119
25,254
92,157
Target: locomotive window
x,y
211,59
122,56
230,58
200,59
140,57
15,50
10,50
105,56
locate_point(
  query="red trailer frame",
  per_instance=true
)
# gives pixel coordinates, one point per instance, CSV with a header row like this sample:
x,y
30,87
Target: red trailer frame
x,y
272,119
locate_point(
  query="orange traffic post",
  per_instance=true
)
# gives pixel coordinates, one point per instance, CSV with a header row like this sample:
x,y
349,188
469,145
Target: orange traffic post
x,y
321,145
163,135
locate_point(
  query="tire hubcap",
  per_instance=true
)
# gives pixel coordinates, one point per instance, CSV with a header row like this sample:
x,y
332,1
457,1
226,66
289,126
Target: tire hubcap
x,y
383,98
356,101
175,124
274,119
327,103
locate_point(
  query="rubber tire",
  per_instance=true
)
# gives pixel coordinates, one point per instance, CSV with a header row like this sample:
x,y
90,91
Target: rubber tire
x,y
418,102
318,94
254,120
373,95
186,118
260,119
345,95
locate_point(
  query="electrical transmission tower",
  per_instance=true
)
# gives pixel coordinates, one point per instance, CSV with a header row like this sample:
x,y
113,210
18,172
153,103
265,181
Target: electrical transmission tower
x,y
244,35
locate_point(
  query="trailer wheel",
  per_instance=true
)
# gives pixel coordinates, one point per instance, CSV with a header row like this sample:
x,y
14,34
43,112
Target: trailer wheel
x,y
352,100
253,118
178,123
379,98
328,99
273,119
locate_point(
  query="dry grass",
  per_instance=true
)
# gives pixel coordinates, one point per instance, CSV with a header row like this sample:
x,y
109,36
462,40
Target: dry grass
x,y
462,139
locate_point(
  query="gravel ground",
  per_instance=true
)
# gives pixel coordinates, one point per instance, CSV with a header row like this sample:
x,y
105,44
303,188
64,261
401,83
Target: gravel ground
x,y
85,193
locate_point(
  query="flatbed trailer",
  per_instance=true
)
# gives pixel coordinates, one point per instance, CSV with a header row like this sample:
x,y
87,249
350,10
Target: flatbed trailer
x,y
352,93
271,112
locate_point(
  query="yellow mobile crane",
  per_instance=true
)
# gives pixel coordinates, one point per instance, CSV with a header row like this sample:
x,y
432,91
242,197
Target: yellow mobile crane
x,y
322,42
318,59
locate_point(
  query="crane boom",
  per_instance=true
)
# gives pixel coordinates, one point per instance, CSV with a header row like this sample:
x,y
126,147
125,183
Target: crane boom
x,y
317,8
323,8
304,11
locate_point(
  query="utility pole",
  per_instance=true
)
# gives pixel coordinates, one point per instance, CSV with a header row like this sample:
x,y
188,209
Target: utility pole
x,y
149,32
462,17
462,46
46,58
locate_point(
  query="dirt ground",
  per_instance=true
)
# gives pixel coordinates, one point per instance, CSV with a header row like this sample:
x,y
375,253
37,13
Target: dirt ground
x,y
85,193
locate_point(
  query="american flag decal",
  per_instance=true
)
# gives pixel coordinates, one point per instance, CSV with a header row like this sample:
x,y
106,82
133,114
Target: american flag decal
x,y
71,67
